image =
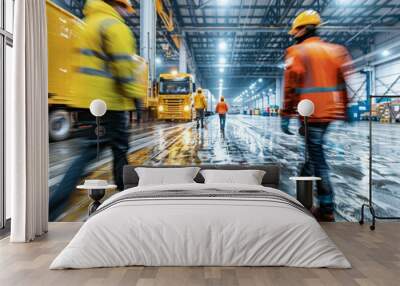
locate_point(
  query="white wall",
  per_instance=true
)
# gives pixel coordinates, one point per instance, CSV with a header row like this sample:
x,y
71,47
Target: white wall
x,y
357,84
386,68
386,75
388,72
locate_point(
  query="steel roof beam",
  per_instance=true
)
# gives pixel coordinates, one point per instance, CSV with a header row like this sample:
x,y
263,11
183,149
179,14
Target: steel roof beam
x,y
337,18
245,51
206,66
268,29
203,4
242,50
249,66
297,6
246,64
244,80
212,41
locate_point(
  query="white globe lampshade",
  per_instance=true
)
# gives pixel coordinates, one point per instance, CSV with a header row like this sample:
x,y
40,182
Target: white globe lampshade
x,y
98,107
306,107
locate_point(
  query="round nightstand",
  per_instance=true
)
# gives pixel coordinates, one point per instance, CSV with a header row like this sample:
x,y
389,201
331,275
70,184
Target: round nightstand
x,y
96,193
304,190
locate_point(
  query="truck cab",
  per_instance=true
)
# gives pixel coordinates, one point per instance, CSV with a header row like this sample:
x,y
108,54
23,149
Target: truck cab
x,y
175,96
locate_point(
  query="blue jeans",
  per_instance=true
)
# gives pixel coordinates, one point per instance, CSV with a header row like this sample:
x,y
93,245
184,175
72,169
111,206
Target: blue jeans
x,y
116,136
222,120
316,165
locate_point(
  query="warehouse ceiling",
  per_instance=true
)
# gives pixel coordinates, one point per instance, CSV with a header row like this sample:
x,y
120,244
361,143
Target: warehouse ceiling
x,y
243,40
240,41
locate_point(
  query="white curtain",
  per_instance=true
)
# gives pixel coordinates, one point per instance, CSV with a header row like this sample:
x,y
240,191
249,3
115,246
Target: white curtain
x,y
26,124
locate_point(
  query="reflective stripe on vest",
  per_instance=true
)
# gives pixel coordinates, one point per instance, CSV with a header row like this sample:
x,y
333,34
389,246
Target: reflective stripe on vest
x,y
121,57
93,53
102,73
104,57
95,72
306,90
125,80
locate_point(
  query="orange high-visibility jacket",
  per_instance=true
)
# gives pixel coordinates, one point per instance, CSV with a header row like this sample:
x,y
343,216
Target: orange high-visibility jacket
x,y
221,108
314,70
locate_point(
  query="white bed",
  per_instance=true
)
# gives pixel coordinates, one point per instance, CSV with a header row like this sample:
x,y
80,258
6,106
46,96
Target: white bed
x,y
225,225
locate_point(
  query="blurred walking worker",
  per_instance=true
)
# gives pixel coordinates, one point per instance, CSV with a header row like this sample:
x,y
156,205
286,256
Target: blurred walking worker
x,y
222,110
200,104
314,70
105,70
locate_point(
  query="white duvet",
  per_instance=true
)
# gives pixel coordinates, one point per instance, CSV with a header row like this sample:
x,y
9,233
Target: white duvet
x,y
205,231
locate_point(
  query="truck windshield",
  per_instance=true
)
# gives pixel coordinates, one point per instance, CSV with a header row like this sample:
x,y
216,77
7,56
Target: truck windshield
x,y
176,86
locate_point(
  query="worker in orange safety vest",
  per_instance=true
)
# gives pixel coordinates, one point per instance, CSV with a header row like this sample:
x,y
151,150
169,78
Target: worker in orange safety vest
x,y
314,70
222,109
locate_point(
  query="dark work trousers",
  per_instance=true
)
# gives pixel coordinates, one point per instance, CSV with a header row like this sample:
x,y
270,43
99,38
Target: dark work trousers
x,y
222,120
317,166
200,117
116,136
139,106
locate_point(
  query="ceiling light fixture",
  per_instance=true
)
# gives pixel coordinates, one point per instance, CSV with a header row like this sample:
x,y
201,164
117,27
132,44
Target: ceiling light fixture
x,y
222,46
386,53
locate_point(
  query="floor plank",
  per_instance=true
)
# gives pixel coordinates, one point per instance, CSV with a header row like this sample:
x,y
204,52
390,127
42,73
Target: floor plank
x,y
375,257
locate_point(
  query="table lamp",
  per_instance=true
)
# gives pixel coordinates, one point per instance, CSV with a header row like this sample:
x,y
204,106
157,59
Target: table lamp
x,y
98,108
306,108
96,188
304,185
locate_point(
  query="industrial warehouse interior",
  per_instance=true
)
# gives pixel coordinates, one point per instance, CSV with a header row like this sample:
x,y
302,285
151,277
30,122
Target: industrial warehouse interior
x,y
199,142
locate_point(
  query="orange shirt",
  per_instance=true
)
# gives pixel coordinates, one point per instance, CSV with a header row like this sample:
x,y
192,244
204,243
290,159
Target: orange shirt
x,y
221,108
314,70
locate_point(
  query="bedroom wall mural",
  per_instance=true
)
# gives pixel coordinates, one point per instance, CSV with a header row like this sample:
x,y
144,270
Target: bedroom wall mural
x,y
252,134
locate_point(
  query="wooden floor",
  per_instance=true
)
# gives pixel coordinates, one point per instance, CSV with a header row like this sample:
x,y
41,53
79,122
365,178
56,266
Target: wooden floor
x,y
375,257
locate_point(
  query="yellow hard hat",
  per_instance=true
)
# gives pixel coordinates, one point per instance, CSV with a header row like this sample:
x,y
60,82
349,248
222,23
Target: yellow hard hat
x,y
127,4
308,17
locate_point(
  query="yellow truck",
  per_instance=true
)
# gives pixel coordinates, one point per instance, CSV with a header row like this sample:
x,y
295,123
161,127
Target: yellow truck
x,y
175,96
63,34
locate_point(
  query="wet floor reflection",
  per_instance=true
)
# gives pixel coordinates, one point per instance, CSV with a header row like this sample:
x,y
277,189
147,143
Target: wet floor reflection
x,y
256,140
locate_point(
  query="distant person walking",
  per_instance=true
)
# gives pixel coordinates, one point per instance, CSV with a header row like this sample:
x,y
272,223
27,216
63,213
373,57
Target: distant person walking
x,y
314,70
222,110
105,71
200,104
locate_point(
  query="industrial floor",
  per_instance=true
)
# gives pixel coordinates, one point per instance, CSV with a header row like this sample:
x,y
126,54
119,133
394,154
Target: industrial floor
x,y
375,258
254,140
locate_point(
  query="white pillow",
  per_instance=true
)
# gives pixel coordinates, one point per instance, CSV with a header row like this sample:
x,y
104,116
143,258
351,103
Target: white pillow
x,y
248,177
166,176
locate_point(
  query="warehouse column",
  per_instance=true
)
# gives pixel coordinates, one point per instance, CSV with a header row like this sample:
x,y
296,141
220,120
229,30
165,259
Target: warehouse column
x,y
148,20
183,65
279,92
369,84
372,85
